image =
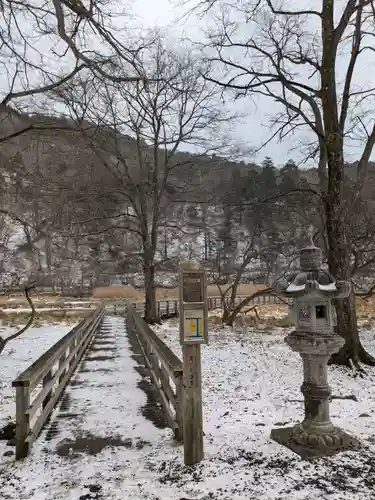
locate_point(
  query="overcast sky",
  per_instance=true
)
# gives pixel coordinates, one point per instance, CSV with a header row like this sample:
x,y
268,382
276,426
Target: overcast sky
x,y
167,13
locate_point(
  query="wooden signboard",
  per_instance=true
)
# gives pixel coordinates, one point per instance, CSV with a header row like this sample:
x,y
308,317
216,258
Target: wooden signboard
x,y
193,332
193,307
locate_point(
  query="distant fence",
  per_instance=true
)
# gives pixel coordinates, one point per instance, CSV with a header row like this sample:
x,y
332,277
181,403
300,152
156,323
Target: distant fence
x,y
46,290
40,386
165,370
169,308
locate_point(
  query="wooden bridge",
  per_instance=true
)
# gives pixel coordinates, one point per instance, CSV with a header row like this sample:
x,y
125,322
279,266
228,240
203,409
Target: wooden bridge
x,y
42,390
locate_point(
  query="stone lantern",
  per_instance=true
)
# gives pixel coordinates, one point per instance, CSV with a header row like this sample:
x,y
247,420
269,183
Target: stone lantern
x,y
313,289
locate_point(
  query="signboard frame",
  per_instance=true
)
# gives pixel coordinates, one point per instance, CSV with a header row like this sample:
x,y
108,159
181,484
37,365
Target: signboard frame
x,y
188,307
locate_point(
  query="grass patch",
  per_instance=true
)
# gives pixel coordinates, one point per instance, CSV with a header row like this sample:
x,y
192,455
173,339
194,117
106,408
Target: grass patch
x,y
117,292
131,293
42,318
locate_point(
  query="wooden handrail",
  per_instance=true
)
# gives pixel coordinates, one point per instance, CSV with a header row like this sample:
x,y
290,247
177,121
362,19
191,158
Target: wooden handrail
x,y
36,370
163,366
53,370
172,362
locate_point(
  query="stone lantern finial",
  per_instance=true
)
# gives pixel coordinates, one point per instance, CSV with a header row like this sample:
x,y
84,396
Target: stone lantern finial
x,y
310,236
310,256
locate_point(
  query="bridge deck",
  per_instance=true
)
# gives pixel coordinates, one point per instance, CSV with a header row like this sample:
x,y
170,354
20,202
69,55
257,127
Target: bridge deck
x,y
97,439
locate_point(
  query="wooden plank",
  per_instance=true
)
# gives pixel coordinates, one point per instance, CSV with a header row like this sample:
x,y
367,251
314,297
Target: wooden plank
x,y
169,415
62,362
193,414
179,408
164,379
171,360
59,374
22,421
46,379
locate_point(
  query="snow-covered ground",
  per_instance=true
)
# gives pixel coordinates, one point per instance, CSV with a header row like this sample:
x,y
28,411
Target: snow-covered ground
x,y
251,383
13,310
18,355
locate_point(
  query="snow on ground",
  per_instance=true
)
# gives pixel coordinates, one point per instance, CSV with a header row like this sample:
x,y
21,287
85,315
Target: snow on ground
x,y
14,310
251,383
18,355
108,404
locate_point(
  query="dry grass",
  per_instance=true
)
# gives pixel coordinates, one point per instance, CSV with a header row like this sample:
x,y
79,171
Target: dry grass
x,y
121,292
129,292
39,301
116,292
42,318
366,308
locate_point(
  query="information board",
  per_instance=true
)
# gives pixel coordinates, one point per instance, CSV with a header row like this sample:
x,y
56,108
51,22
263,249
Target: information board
x,y
193,324
192,287
193,305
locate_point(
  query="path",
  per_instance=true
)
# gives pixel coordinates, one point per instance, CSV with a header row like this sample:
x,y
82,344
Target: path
x,y
98,444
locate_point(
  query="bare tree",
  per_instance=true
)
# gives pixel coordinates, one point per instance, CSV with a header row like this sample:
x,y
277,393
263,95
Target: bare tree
x,y
45,44
5,341
175,109
308,63
253,249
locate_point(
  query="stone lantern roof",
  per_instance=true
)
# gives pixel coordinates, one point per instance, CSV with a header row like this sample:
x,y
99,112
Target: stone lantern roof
x,y
312,277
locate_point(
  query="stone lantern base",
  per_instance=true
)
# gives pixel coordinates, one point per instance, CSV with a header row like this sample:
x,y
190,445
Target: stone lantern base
x,y
316,436
338,441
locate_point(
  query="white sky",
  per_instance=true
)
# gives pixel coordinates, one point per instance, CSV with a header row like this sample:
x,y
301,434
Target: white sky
x,y
141,15
166,13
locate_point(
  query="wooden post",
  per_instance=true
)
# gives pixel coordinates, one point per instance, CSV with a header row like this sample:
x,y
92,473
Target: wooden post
x,y
61,361
46,379
22,421
192,404
193,332
179,433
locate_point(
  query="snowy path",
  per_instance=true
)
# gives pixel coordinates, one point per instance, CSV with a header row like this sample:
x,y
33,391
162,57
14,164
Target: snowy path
x,y
97,438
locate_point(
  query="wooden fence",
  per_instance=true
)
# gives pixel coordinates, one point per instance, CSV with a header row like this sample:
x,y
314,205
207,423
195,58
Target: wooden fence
x,y
165,369
40,386
169,308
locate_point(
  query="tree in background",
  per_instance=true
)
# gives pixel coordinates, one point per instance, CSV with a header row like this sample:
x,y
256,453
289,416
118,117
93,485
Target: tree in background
x,y
177,107
44,46
333,109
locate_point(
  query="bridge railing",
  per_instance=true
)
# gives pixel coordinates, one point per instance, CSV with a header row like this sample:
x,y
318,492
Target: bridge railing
x,y
40,386
165,369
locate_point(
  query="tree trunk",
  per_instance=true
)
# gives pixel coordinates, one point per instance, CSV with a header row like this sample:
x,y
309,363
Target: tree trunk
x,y
338,260
338,255
226,313
151,314
353,350
236,310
